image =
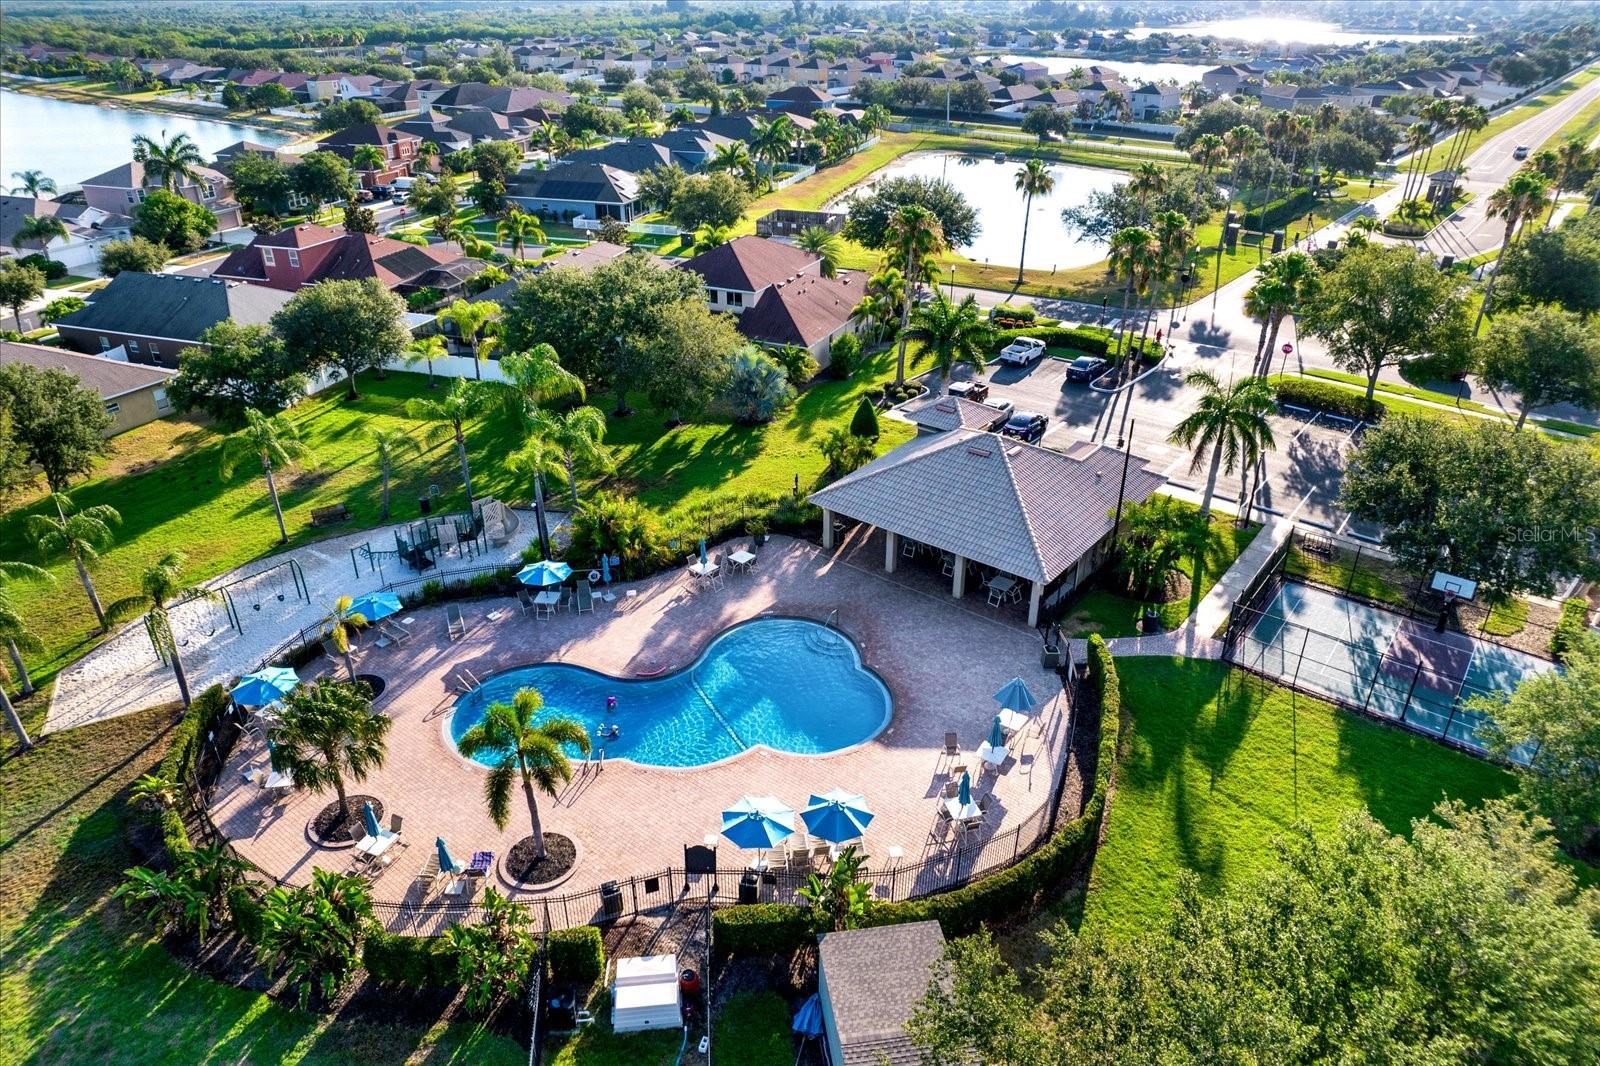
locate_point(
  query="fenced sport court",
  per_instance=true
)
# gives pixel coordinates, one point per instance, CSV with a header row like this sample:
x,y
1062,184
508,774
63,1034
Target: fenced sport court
x,y
1375,661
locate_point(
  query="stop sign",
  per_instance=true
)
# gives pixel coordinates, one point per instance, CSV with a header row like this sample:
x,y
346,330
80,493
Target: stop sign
x,y
1287,348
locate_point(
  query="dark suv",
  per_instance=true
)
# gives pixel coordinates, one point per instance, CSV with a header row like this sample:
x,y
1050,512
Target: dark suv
x,y
976,391
1026,426
1086,368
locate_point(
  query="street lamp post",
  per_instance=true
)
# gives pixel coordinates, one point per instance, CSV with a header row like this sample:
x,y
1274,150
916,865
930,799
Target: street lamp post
x,y
1116,524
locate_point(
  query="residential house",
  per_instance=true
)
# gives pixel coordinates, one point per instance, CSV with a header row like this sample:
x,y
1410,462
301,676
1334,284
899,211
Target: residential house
x,y
573,190
152,317
306,254
399,150
779,293
736,273
1066,99
132,393
1150,102
87,229
1285,97
437,131
1347,97
240,149
800,99
1228,78
869,981
122,189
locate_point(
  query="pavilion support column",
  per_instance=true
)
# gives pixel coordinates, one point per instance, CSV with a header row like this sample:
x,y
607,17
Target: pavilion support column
x,y
958,579
891,550
1033,601
827,529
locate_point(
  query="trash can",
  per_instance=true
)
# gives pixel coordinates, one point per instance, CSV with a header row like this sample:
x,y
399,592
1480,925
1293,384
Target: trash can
x,y
610,900
749,890
1050,657
425,504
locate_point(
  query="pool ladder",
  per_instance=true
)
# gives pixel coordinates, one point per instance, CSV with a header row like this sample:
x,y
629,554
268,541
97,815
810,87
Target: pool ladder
x,y
467,679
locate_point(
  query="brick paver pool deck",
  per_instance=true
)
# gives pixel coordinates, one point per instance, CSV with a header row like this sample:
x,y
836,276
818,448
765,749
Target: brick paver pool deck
x,y
942,664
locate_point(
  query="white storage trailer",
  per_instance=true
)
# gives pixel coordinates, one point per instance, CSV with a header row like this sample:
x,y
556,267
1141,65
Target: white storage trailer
x,y
645,994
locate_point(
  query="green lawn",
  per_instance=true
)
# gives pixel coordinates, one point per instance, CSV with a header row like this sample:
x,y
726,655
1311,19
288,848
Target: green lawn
x,y
752,1029
599,1045
1219,763
81,981
1521,113
164,480
1111,615
1396,398
1366,576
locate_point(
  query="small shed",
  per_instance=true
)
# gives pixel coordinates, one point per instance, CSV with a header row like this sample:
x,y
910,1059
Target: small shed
x,y
869,982
645,994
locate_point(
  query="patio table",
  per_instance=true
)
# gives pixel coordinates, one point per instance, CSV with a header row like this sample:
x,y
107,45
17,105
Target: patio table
x,y
999,588
741,559
707,569
277,780
992,755
1013,721
544,604
958,813
372,847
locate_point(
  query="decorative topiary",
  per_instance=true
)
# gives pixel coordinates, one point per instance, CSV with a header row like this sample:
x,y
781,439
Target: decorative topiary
x,y
865,421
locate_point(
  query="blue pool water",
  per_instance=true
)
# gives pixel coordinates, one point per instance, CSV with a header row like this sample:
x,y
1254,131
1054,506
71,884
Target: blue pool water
x,y
792,685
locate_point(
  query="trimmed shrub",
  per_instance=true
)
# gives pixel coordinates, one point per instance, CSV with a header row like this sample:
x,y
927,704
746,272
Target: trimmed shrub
x,y
1571,627
245,911
1325,397
410,961
844,356
52,269
864,423
1006,316
773,928
1279,212
576,956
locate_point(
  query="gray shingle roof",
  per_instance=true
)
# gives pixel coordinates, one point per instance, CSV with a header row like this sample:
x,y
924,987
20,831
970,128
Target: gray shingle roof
x,y
1028,511
875,978
174,306
109,377
952,412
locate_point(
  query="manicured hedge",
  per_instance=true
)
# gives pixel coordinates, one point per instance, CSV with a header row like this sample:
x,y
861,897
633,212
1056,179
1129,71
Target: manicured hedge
x,y
178,764
1277,213
1571,627
1321,396
1091,339
576,956
770,928
411,961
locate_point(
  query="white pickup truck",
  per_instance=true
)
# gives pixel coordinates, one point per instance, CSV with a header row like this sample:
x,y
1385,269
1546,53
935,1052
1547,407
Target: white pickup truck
x,y
1022,351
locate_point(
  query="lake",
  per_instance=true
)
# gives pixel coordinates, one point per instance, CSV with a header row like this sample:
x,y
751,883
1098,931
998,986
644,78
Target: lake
x,y
1276,30
70,141
991,188
1135,74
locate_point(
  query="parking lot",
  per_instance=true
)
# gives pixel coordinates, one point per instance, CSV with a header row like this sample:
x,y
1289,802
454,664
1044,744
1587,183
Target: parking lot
x,y
1300,475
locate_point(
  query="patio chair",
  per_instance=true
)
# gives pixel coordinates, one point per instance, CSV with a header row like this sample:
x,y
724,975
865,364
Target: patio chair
x,y
397,634
395,822
583,599
952,745
985,803
455,625
948,567
428,876
952,788
525,600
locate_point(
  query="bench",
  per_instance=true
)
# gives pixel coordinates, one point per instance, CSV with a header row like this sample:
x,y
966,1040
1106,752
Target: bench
x,y
327,516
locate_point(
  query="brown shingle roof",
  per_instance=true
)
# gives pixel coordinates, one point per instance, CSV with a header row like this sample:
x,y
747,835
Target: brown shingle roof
x,y
750,264
1025,510
802,310
109,377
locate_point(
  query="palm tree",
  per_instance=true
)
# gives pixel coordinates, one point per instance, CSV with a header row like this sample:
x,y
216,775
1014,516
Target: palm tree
x,y
1418,136
159,585
276,442
578,434
171,162
1034,179
41,228
1277,131
1174,235
735,158
449,415
1517,200
427,151
1134,253
1148,180
367,157
952,333
327,732
707,237
424,350
680,116
537,458
1241,143
1296,274
1325,119
535,377
1230,423
1571,158
825,245
82,533
772,142
1265,301
1208,150
338,625
14,627
1439,114
470,317
915,235
519,229
523,749
389,444
1469,119
32,183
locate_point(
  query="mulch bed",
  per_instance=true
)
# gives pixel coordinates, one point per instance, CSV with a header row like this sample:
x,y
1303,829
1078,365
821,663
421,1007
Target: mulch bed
x,y
560,855
374,682
329,828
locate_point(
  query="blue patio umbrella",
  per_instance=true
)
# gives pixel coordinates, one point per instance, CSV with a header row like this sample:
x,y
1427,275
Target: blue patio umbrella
x,y
757,822
605,569
702,551
369,819
808,1019
446,863
836,815
543,573
997,734
964,794
264,686
374,606
1014,696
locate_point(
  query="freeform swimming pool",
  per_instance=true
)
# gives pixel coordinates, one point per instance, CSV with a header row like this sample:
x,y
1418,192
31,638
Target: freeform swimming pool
x,y
786,683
